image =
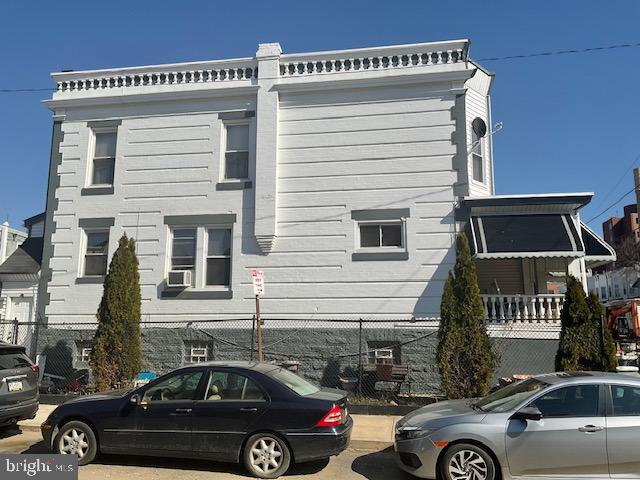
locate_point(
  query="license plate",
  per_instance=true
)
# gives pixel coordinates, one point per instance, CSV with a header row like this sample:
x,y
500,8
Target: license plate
x,y
15,386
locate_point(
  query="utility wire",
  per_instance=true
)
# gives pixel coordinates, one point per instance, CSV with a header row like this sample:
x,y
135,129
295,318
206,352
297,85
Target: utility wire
x,y
561,52
23,90
612,205
612,189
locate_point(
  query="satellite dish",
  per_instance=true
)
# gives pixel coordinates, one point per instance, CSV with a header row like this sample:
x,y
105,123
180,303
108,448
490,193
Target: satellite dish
x,y
479,127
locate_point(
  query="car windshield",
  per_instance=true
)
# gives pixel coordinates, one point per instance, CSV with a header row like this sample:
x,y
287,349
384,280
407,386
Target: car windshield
x,y
511,396
294,382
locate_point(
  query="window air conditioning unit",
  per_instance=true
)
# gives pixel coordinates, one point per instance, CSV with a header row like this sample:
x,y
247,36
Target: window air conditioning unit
x,y
384,355
179,278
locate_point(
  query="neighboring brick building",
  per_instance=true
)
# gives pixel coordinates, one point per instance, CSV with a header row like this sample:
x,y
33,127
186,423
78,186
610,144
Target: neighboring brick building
x,y
617,230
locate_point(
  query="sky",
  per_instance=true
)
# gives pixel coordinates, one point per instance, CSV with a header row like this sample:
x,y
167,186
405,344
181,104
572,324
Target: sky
x,y
570,121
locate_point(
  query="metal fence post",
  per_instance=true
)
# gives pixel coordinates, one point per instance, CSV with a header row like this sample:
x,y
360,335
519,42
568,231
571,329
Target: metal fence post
x,y
16,325
253,329
34,338
360,357
603,355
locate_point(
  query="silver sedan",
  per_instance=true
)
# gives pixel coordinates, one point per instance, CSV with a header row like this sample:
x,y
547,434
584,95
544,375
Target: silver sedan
x,y
561,425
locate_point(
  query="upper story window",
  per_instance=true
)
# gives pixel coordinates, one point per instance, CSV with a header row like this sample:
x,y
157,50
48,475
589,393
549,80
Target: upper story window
x,y
236,156
96,252
104,157
478,131
378,235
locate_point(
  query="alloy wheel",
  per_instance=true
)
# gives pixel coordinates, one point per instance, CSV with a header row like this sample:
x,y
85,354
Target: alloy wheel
x,y
74,442
266,455
467,465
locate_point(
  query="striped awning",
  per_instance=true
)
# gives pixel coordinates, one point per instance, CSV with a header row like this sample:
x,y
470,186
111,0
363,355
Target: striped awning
x,y
524,236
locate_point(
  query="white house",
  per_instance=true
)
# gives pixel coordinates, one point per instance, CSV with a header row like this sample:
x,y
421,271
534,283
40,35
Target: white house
x,y
344,175
19,280
10,238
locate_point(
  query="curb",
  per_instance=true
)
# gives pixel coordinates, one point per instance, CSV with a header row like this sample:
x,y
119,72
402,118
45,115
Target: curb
x,y
370,445
29,428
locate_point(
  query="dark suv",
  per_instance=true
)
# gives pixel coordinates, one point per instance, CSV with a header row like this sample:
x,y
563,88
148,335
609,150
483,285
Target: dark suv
x,y
18,385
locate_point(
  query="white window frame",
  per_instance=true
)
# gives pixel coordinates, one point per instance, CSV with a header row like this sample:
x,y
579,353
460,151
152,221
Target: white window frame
x,y
200,270
480,154
206,256
85,246
196,357
85,354
91,156
224,151
393,248
194,281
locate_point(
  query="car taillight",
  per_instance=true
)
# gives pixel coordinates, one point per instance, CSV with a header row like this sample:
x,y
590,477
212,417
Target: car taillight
x,y
332,418
35,369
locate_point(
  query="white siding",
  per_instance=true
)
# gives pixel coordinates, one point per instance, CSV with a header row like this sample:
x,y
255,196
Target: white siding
x,y
349,151
477,106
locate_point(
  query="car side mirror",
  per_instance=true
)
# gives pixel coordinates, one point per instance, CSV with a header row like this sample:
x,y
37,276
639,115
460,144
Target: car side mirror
x,y
135,399
529,413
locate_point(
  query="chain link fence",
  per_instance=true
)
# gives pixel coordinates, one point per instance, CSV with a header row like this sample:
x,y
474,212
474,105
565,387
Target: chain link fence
x,y
382,362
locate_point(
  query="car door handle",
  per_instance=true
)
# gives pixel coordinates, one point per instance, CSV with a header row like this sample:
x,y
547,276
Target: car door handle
x,y
249,410
182,411
590,429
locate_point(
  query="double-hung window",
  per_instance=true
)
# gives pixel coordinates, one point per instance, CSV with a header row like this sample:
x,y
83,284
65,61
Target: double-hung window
x,y
236,156
476,156
96,252
218,256
183,251
205,251
478,132
104,157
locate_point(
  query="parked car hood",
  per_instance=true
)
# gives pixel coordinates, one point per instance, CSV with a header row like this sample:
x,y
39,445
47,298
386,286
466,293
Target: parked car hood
x,y
440,414
98,396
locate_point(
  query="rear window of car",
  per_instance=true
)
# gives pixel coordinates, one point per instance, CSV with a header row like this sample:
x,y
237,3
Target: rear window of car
x,y
13,359
294,382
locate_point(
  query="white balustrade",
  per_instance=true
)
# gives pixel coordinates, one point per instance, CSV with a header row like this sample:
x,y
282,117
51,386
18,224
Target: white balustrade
x,y
217,72
373,59
543,308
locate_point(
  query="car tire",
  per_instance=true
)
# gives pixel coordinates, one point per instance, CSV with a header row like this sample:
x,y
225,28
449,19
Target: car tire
x,y
76,437
266,456
463,458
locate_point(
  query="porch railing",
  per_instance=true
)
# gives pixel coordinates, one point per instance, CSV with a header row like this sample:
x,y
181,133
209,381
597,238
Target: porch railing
x,y
525,308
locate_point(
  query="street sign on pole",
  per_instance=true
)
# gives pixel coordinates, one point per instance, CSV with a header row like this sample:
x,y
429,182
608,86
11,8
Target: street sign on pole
x,y
258,282
257,277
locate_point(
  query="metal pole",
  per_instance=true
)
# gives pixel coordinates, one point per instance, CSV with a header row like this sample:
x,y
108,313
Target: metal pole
x,y
259,328
253,330
603,325
15,331
360,358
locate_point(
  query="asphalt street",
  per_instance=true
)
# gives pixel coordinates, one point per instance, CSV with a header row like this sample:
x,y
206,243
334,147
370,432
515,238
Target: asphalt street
x,y
351,464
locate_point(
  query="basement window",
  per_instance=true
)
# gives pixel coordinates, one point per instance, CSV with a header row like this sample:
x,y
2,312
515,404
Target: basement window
x,y
197,353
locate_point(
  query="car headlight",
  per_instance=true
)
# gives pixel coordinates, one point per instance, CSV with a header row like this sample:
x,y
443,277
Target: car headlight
x,y
411,433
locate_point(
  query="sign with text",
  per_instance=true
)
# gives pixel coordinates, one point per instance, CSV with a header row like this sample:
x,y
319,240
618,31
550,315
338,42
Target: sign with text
x,y
258,282
41,466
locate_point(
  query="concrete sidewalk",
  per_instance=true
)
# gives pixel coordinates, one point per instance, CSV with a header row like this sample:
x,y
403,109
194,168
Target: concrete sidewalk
x,y
370,432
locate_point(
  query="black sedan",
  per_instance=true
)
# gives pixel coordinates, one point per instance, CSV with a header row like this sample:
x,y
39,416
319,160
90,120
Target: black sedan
x,y
259,414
